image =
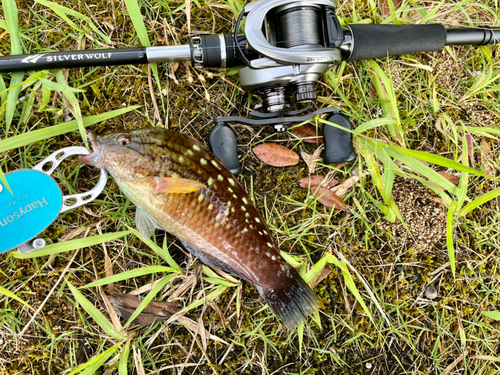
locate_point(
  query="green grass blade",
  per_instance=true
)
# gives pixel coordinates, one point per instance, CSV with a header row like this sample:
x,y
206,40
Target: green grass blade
x,y
163,253
449,236
123,364
10,13
495,315
4,181
62,247
351,285
438,160
129,275
388,102
479,201
217,291
93,364
152,294
53,131
9,294
171,262
98,316
54,86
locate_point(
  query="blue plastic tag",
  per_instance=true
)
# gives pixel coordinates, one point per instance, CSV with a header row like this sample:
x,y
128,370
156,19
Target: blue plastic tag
x,y
36,203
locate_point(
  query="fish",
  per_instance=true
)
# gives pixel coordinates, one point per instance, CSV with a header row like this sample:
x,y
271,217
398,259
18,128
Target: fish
x,y
179,186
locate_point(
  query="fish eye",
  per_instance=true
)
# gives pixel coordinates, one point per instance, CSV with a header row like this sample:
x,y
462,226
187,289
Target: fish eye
x,y
123,141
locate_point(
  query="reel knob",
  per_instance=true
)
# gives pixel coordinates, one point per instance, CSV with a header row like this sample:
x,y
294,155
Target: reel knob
x,y
338,143
222,142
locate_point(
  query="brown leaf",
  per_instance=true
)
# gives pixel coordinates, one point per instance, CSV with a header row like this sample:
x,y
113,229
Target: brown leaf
x,y
328,199
126,304
276,155
386,10
450,177
487,158
308,133
317,180
322,275
470,148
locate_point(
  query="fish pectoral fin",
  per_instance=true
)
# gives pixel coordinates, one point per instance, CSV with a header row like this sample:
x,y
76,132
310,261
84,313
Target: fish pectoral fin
x,y
145,223
176,185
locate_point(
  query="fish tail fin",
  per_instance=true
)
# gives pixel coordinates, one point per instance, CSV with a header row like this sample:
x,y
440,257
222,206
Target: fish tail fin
x,y
292,300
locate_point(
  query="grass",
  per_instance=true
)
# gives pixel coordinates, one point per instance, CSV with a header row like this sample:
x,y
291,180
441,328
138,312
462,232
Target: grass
x,y
415,115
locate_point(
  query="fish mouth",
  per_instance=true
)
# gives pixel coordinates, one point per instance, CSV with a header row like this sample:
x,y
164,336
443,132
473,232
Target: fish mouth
x,y
91,158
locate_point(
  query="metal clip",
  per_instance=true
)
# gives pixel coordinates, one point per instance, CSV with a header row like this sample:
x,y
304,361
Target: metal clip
x,y
56,159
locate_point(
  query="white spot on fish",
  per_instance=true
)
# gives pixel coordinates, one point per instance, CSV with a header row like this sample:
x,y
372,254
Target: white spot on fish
x,y
210,181
189,153
196,148
229,204
257,220
245,230
269,244
273,257
235,196
220,178
247,215
269,254
244,200
233,210
260,232
265,232
251,226
203,161
181,159
216,165
231,181
226,213
211,207
230,190
201,197
243,208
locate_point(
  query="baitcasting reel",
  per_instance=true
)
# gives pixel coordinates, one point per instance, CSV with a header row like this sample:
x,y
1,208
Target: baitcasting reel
x,y
286,47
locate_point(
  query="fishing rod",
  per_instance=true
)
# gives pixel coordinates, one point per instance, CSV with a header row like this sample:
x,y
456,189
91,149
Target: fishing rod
x,y
286,47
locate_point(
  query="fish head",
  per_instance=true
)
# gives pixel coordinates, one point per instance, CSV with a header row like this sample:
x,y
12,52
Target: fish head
x,y
125,154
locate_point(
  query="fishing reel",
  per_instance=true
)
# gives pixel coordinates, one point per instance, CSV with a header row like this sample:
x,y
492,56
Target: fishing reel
x,y
286,47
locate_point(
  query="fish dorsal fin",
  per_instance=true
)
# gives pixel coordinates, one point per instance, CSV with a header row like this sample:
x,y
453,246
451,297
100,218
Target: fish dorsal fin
x,y
176,185
145,223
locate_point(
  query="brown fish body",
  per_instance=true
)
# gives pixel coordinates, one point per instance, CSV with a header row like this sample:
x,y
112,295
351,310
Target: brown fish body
x,y
215,219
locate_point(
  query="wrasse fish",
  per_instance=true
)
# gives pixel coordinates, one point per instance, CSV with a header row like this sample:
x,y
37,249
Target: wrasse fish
x,y
181,187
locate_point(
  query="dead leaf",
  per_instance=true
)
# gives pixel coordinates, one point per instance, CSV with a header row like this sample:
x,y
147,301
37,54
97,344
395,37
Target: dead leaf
x,y
308,133
342,189
455,180
312,160
316,181
386,10
322,275
487,158
470,149
276,155
126,304
328,199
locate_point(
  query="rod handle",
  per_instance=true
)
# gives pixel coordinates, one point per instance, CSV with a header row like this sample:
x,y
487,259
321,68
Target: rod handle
x,y
375,41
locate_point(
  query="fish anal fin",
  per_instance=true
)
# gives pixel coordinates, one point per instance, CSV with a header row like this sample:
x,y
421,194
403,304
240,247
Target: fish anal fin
x,y
176,185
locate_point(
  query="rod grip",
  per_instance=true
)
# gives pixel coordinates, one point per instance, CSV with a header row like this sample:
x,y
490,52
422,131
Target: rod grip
x,y
375,41
73,59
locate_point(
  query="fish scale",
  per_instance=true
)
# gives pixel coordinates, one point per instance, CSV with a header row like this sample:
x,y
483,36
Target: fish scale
x,y
181,187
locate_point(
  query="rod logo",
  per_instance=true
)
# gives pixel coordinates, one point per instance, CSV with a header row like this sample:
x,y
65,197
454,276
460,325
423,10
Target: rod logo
x,y
32,59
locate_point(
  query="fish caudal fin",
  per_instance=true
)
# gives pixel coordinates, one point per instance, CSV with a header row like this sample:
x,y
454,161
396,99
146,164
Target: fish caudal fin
x,y
292,300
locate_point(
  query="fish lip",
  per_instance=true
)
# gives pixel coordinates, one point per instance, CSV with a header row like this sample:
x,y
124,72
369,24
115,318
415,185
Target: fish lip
x,y
91,158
